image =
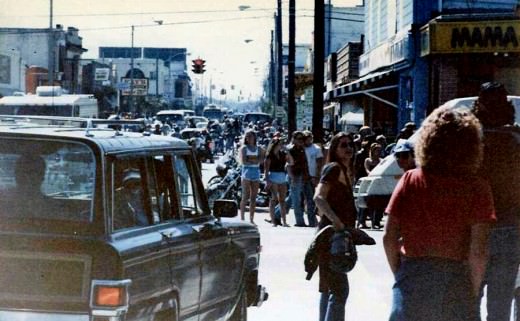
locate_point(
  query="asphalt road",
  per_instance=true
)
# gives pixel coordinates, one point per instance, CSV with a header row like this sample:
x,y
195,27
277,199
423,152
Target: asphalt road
x,y
291,297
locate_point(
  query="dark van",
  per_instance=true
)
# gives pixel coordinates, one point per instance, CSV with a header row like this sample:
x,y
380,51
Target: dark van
x,y
98,224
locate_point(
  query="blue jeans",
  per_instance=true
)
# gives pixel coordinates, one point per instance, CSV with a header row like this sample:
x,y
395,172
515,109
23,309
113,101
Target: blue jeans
x,y
296,198
502,267
432,289
308,194
332,303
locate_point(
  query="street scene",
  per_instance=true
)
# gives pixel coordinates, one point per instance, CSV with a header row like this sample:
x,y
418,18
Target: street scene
x,y
259,160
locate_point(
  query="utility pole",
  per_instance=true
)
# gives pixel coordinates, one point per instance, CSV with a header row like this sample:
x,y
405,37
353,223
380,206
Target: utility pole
x,y
131,97
319,57
50,75
291,101
272,76
279,55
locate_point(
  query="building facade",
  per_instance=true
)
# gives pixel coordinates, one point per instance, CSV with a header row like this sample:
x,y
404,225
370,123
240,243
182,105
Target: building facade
x,y
56,49
418,54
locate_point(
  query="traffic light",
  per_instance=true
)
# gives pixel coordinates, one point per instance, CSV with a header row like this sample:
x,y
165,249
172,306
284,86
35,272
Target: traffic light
x,y
198,66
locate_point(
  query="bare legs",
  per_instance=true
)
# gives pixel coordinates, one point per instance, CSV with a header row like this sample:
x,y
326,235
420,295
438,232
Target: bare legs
x,y
249,192
278,193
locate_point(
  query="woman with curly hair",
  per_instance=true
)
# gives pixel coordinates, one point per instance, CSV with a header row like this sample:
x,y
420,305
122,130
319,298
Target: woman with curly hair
x,y
251,156
438,219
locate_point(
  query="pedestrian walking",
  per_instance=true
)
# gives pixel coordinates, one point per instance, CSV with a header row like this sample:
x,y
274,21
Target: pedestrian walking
x,y
298,171
501,168
438,219
359,172
335,203
276,178
251,156
314,157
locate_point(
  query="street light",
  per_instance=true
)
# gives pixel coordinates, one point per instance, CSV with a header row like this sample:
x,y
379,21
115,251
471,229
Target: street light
x,y
243,7
131,98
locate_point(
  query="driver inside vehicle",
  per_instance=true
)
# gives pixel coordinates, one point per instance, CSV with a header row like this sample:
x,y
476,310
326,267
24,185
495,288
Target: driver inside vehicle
x,y
129,207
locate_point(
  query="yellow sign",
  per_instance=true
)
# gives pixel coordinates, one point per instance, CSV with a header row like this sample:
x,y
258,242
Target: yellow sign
x,y
440,37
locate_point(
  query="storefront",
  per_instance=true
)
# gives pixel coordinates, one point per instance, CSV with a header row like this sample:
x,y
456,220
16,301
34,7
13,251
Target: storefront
x,y
463,54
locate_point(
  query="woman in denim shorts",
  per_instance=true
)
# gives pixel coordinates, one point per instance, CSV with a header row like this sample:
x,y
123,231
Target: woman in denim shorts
x,y
276,178
251,157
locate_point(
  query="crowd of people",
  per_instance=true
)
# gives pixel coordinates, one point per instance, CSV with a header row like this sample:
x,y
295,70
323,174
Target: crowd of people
x,y
452,225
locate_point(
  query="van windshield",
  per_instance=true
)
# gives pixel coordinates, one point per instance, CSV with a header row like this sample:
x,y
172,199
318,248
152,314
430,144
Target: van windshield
x,y
171,117
215,114
46,180
254,118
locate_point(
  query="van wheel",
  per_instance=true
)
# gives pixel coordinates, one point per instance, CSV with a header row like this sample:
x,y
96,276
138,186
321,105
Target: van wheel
x,y
240,313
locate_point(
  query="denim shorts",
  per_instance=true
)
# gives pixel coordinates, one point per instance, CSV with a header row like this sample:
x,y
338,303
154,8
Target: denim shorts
x,y
278,177
251,172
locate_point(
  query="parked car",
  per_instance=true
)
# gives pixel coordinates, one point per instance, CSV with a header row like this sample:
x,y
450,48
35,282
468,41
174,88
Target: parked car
x,y
374,191
104,225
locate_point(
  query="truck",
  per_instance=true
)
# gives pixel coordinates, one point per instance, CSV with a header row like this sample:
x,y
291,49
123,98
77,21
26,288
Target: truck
x,y
50,101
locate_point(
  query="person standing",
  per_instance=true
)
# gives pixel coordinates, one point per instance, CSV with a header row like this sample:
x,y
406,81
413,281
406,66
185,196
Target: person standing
x,y
251,156
298,175
404,155
439,217
276,178
501,168
314,157
373,159
335,203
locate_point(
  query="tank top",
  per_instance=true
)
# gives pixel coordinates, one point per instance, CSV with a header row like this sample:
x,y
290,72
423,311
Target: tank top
x,y
252,156
277,162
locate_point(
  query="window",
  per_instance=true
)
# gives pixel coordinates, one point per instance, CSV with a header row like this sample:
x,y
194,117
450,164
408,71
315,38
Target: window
x,y
46,180
142,193
187,186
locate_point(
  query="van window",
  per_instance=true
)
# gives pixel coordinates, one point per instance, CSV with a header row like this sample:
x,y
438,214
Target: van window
x,y
142,193
187,186
46,180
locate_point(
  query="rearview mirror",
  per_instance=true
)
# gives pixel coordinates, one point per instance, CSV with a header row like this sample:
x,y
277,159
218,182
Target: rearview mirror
x,y
225,208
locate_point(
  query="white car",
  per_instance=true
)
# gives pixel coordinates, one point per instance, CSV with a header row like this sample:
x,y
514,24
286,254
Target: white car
x,y
374,191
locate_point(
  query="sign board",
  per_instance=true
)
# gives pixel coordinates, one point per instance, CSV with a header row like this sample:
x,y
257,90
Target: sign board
x,y
470,37
280,112
140,87
101,74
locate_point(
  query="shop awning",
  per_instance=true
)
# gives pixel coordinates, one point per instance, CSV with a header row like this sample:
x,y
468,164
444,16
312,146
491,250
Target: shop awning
x,y
351,118
355,87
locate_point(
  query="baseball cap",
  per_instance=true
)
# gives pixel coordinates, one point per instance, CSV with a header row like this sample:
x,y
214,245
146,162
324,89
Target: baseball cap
x,y
403,145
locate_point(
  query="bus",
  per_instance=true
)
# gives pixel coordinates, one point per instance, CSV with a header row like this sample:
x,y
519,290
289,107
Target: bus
x,y
213,112
50,101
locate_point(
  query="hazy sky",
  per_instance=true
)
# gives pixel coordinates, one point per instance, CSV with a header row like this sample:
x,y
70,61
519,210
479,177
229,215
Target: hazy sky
x,y
213,30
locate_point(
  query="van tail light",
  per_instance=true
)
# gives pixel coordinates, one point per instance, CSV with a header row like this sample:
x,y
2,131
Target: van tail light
x,y
109,297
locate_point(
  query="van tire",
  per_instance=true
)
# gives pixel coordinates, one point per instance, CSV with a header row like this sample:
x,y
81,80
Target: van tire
x,y
168,315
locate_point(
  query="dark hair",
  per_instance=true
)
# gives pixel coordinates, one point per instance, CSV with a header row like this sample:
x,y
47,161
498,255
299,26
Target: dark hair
x,y
450,142
334,143
272,144
492,107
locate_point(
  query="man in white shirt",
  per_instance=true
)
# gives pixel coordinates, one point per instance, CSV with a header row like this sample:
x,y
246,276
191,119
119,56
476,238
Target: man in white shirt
x,y
314,157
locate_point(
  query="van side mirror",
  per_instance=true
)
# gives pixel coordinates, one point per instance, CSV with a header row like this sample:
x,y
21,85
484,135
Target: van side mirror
x,y
225,208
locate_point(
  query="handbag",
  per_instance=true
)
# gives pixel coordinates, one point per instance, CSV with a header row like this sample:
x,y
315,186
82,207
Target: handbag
x,y
343,252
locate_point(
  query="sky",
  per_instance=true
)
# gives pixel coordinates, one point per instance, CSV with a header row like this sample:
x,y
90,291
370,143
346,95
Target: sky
x,y
235,43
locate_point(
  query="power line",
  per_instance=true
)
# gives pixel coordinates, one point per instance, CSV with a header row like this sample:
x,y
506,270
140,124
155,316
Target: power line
x,y
178,23
142,13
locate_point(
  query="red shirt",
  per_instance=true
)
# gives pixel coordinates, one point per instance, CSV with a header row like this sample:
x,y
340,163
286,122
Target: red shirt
x,y
435,213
